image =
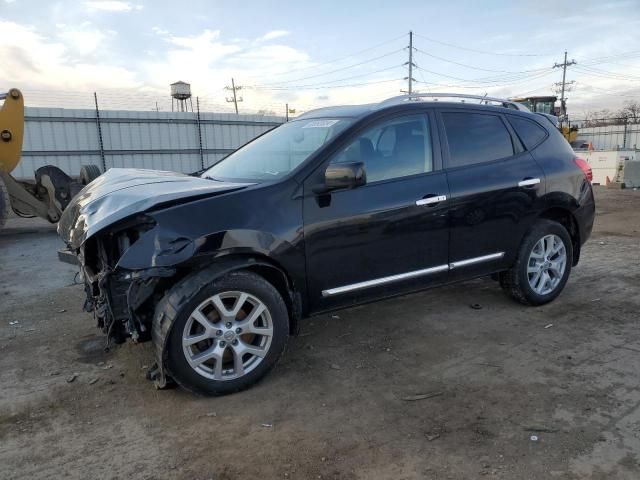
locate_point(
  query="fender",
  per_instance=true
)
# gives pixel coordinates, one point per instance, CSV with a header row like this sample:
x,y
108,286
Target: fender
x,y
581,208
163,247
222,252
576,214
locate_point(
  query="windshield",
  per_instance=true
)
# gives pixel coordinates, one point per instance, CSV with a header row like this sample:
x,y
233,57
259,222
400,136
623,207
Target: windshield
x,y
278,152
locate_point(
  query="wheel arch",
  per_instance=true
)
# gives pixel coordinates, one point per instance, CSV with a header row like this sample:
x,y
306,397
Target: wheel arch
x,y
260,264
272,272
567,219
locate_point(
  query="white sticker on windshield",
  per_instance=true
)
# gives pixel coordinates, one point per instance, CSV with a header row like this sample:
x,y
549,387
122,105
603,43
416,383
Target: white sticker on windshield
x,y
321,124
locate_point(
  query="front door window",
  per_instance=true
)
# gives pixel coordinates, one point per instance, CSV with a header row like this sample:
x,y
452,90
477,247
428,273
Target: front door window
x,y
398,147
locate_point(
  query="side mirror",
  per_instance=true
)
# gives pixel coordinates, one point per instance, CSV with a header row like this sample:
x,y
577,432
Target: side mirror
x,y
344,176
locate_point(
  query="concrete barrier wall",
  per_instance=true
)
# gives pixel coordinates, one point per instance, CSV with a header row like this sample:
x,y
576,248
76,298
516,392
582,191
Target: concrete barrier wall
x,y
632,174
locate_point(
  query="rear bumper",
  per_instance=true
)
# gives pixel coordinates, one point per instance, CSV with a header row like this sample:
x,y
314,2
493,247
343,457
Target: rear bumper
x,y
585,214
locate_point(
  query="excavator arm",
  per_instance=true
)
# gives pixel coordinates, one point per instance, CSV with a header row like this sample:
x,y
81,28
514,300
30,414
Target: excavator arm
x,y
11,129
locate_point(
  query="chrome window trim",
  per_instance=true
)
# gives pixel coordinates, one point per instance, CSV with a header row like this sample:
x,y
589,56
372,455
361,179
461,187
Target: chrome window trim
x,y
413,274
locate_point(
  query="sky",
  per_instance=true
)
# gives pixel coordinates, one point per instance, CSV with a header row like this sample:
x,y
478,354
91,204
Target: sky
x,y
311,54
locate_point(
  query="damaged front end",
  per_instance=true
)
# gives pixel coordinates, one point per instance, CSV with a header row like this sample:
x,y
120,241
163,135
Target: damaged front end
x,y
121,300
123,254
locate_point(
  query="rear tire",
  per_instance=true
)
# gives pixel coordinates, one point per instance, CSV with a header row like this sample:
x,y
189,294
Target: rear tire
x,y
238,322
88,173
5,206
543,265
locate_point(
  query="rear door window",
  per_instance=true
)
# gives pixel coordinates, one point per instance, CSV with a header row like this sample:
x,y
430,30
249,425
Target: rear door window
x,y
476,138
530,133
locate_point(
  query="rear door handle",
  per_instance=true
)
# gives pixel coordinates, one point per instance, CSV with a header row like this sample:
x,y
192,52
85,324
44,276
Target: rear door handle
x,y
528,182
431,200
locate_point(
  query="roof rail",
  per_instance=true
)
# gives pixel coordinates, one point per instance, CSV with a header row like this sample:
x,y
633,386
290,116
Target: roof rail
x,y
414,97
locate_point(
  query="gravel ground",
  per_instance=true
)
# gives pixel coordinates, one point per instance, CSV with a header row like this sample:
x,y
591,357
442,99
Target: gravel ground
x,y
421,386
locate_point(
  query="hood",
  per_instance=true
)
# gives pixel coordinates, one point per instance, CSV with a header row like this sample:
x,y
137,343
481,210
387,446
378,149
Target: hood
x,y
122,192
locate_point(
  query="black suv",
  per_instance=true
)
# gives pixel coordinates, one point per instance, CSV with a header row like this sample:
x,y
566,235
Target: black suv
x,y
341,206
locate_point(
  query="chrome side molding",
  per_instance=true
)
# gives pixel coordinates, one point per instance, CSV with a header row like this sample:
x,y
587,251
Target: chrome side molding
x,y
473,261
381,281
413,274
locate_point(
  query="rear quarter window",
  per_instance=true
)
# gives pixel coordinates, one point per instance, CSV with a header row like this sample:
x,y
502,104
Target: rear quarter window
x,y
529,132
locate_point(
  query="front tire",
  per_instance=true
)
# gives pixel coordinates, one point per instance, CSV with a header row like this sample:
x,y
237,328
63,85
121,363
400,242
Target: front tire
x,y
543,265
227,334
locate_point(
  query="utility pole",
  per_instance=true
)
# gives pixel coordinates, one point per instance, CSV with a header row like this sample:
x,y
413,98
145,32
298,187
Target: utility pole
x,y
563,102
411,65
235,99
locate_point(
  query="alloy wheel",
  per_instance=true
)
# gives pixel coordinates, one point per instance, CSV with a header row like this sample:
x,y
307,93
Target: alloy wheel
x,y
228,335
547,263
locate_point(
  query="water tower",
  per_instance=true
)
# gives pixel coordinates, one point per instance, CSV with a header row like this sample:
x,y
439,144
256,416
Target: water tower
x,y
181,92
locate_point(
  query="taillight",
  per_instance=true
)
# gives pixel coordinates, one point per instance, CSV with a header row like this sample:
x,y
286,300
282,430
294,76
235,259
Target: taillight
x,y
585,167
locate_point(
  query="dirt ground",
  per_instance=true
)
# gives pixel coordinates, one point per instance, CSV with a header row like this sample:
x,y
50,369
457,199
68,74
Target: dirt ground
x,y
514,392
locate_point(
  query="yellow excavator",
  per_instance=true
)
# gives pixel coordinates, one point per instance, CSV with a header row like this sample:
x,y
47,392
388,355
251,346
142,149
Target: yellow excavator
x,y
547,105
52,190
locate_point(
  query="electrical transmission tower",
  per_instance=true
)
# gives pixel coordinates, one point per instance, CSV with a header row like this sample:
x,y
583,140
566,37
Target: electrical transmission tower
x,y
410,63
235,99
563,85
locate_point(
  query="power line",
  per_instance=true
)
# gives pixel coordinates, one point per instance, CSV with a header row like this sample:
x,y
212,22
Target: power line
x,y
310,87
359,52
474,67
546,87
622,93
484,52
606,73
594,60
336,70
290,87
489,85
488,81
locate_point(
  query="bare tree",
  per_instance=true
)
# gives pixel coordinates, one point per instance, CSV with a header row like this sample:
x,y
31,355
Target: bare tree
x,y
631,111
599,118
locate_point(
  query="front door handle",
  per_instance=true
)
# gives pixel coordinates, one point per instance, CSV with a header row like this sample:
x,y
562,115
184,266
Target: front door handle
x,y
528,182
431,200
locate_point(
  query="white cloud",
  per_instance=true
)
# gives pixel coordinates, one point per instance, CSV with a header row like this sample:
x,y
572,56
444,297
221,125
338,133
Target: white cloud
x,y
159,30
83,56
113,5
83,42
31,60
273,34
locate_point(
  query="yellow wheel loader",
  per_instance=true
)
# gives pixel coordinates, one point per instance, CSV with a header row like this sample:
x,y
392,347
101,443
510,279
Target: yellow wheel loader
x,y
546,104
52,190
